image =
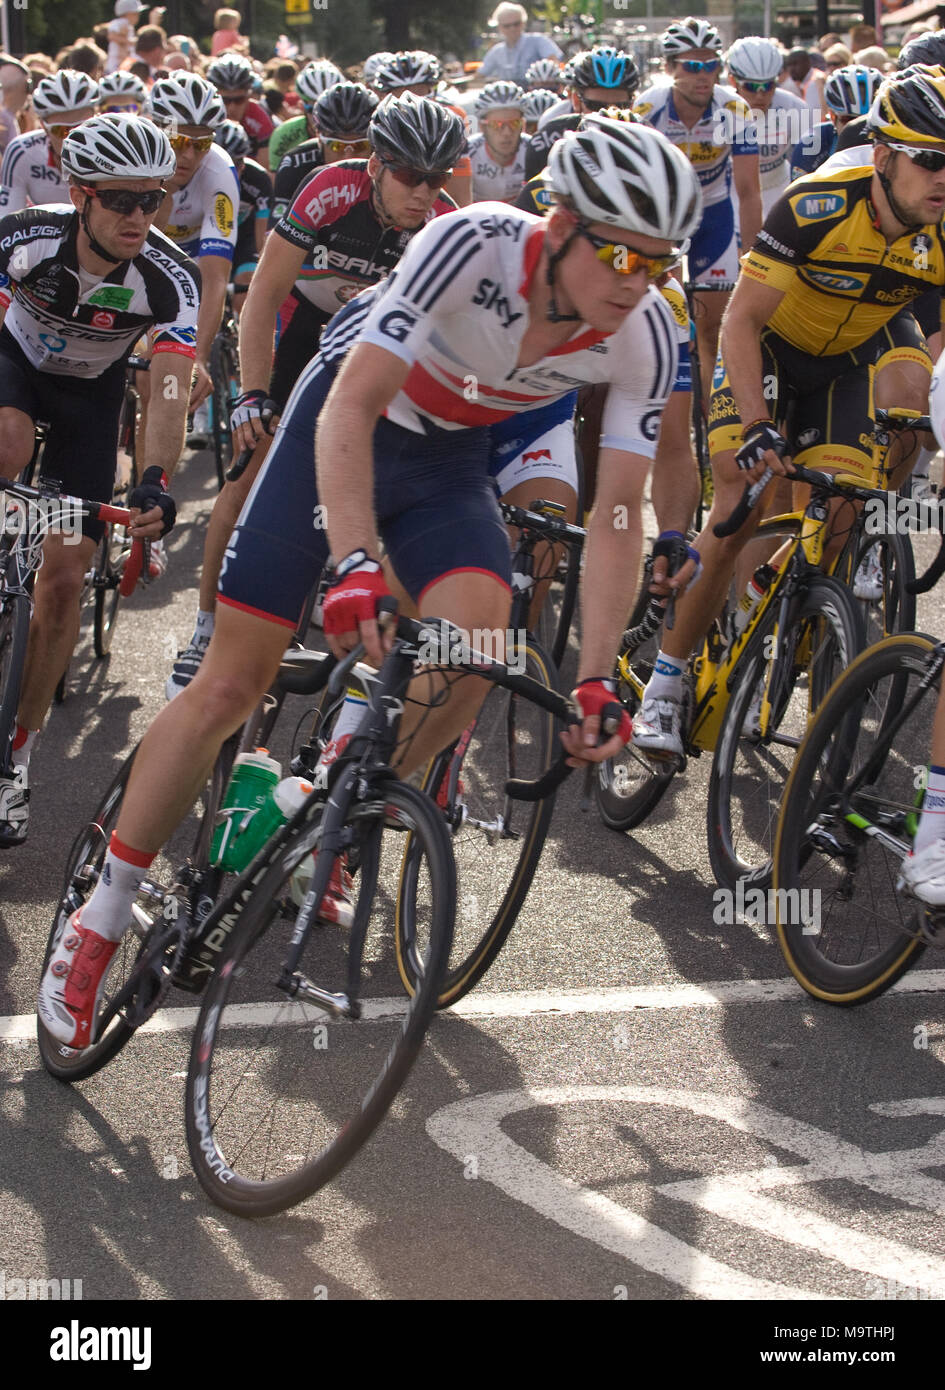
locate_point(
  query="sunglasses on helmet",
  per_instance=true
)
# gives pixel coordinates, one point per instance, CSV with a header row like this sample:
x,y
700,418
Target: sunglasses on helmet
x,y
125,201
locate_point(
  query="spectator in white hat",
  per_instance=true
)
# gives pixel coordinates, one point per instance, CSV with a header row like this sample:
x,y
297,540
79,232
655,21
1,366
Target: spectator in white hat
x,y
121,33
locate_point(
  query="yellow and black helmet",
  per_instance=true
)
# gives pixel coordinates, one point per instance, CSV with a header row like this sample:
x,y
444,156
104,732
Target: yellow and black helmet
x,y
910,109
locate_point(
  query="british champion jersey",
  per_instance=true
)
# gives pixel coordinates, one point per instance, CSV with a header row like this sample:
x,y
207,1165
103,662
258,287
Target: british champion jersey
x,y
204,211
456,310
723,130
492,182
28,175
77,325
332,217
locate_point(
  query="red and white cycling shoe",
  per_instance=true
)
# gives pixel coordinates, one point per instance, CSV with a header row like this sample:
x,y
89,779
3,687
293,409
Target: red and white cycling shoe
x,y
71,987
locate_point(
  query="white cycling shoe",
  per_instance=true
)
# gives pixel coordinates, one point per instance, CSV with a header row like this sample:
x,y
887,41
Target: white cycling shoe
x,y
657,728
868,580
923,875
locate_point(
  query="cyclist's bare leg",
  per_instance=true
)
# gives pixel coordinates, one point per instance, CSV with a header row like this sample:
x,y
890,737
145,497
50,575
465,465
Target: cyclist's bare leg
x,y
709,309
54,629
704,600
547,557
178,751
226,509
906,385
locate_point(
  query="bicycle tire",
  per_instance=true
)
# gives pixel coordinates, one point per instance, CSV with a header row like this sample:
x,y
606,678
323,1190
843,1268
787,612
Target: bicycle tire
x,y
469,778
895,610
557,613
110,557
82,871
749,774
855,908
14,636
260,1177
222,372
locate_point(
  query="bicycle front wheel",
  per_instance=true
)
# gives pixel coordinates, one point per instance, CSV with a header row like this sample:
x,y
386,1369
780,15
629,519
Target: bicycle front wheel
x,y
280,1095
497,842
845,932
793,670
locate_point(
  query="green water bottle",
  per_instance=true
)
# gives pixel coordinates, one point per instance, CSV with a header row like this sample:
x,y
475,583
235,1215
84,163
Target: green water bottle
x,y
248,814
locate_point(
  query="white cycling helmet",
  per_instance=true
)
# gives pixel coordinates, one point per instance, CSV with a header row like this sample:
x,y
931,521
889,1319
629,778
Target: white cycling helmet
x,y
114,146
186,99
536,103
542,74
64,91
755,60
627,175
679,39
122,84
498,95
412,68
315,79
231,73
372,65
231,136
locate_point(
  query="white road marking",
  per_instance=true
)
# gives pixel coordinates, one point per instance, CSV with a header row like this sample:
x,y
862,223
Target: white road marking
x,y
473,1126
520,1003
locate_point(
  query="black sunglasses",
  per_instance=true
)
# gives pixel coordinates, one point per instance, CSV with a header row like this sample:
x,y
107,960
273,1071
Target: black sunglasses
x,y
124,201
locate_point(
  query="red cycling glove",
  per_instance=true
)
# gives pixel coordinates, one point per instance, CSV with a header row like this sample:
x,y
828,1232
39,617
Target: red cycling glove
x,y
599,696
353,599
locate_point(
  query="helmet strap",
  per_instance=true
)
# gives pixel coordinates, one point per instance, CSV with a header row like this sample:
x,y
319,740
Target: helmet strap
x,y
894,207
96,245
553,315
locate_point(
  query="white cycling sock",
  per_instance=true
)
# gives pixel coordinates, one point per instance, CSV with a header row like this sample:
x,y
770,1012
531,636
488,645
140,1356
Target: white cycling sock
x,y
23,746
108,910
667,678
204,628
923,463
932,820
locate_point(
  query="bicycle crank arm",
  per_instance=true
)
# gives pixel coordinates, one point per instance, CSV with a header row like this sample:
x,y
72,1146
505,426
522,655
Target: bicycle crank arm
x,y
298,986
492,829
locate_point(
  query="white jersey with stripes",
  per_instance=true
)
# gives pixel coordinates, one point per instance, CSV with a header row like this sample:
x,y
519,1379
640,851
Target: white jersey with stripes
x,y
456,310
29,176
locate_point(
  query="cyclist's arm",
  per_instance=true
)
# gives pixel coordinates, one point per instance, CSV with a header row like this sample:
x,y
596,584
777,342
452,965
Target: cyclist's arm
x,y
750,309
748,187
279,267
215,276
675,486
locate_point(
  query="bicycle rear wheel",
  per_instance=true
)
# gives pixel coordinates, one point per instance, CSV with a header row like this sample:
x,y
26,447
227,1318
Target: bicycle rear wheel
x,y
280,1097
497,842
224,372
750,768
111,556
845,932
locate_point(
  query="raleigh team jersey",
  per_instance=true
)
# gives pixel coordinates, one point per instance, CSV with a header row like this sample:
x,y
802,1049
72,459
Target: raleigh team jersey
x,y
841,280
68,321
723,129
346,247
456,310
28,175
203,214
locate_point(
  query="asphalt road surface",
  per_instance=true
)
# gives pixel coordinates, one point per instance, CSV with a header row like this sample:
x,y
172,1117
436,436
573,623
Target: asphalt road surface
x,y
636,1103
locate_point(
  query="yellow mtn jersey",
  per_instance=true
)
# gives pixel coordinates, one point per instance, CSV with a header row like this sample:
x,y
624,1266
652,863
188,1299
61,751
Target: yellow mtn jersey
x,y
841,280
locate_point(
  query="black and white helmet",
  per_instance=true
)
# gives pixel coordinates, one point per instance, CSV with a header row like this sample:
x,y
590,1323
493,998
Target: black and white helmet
x,y
417,132
231,136
373,63
754,60
186,99
542,74
345,110
122,84
231,73
316,79
498,95
690,33
409,69
628,176
114,146
64,91
537,103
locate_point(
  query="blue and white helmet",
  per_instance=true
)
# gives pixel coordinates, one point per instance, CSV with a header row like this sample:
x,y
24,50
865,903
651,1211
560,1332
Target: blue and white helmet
x,y
850,91
604,67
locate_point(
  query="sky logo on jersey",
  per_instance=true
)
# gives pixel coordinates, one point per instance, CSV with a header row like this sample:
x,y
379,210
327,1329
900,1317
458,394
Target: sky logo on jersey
x,y
223,213
814,207
840,284
52,343
112,297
